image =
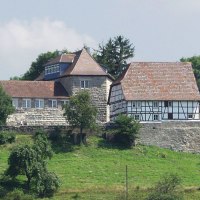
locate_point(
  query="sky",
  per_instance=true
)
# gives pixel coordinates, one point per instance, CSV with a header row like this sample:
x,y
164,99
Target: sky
x,y
160,30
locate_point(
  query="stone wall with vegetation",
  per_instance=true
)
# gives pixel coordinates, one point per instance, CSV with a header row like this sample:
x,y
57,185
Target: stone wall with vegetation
x,y
178,136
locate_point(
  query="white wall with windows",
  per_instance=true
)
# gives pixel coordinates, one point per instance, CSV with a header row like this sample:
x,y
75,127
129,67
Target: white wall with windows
x,y
163,110
152,110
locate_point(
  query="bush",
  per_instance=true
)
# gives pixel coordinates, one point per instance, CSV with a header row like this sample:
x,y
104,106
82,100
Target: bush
x,y
123,131
167,189
18,195
7,137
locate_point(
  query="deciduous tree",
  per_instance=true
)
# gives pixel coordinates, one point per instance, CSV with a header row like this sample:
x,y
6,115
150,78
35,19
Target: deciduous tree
x,y
6,107
30,161
80,112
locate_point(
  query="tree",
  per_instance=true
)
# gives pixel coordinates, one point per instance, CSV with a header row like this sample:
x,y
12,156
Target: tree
x,y
30,161
23,161
195,60
114,55
6,107
125,130
37,67
80,112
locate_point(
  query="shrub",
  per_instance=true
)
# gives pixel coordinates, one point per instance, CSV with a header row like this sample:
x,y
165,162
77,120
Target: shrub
x,y
167,189
124,131
7,137
18,195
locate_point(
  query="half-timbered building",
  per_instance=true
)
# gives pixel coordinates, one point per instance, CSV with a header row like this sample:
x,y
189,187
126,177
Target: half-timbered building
x,y
156,91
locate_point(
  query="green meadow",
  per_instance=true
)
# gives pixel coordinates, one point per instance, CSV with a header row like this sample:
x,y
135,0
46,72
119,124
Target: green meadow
x,y
97,171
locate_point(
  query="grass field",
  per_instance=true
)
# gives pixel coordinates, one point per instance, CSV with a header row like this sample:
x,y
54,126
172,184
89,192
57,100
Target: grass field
x,y
97,171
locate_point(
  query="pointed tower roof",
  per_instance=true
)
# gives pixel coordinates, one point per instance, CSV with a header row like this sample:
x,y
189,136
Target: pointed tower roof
x,y
84,64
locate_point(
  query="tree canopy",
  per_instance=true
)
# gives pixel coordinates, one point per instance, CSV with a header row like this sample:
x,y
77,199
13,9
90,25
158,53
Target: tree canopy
x,y
6,107
195,60
114,54
29,160
80,112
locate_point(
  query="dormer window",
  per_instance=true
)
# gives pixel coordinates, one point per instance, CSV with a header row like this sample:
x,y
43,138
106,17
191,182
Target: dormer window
x,y
52,69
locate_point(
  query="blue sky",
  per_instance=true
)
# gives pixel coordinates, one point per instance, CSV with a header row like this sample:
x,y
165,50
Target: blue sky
x,y
160,30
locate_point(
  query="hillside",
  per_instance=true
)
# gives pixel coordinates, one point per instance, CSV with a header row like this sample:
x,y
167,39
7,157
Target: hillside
x,y
97,171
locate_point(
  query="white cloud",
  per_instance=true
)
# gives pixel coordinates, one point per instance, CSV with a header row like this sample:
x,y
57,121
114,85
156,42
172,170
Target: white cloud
x,y
22,41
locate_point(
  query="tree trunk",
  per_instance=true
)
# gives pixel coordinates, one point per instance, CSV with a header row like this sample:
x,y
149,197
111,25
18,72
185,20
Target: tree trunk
x,y
81,135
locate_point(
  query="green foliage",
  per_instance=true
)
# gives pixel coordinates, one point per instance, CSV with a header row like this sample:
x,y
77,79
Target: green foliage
x,y
7,137
37,67
125,130
195,60
167,189
46,183
18,195
80,112
114,55
42,146
30,161
22,161
6,107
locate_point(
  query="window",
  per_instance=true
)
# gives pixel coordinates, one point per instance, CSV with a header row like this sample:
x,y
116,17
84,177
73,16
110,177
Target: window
x,y
155,117
64,102
53,103
170,116
52,69
155,104
168,103
136,117
39,103
26,103
84,84
15,102
136,104
190,116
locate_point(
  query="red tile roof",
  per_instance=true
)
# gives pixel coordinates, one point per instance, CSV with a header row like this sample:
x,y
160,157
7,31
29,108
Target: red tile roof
x,y
34,89
159,81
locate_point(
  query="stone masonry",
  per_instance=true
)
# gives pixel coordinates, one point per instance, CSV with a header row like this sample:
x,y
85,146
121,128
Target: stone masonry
x,y
98,88
37,117
178,136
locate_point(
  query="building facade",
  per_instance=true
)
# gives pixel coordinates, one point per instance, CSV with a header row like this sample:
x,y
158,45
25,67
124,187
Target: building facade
x,y
156,92
39,102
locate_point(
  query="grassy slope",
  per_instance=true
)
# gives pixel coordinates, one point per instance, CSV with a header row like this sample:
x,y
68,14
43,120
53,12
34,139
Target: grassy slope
x,y
98,170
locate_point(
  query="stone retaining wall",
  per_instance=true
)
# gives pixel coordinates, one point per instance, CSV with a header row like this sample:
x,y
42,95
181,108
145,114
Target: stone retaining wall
x,y
178,136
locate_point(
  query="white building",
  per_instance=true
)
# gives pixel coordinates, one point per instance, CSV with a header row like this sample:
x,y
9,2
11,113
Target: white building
x,y
156,91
